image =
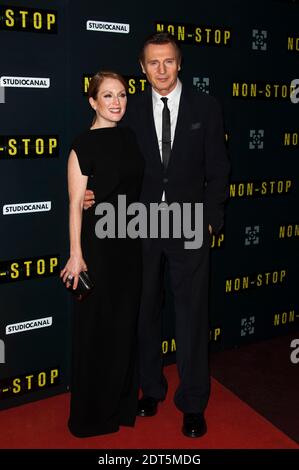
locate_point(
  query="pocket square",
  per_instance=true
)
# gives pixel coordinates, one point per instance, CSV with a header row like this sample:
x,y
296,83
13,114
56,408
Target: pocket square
x,y
195,125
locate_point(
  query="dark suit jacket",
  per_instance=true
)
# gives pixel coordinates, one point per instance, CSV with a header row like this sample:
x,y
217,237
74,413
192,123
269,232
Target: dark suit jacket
x,y
198,167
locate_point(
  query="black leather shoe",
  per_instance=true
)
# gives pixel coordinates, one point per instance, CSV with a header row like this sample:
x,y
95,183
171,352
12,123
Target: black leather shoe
x,y
147,406
194,425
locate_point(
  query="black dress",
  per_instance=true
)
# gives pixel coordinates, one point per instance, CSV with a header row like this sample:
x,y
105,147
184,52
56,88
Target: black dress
x,y
104,378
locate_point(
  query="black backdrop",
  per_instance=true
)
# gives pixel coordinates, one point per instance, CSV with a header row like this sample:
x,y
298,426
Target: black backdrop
x,y
243,52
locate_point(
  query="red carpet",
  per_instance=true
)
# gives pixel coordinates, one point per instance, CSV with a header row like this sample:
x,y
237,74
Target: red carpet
x,y
231,425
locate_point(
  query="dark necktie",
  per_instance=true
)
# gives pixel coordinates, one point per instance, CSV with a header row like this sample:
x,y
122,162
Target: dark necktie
x,y
166,134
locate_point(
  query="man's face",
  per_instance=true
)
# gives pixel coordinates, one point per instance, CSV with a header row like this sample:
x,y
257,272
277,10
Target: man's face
x,y
161,66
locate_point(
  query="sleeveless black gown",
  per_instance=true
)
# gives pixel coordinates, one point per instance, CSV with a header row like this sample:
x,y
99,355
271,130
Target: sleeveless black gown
x,y
104,377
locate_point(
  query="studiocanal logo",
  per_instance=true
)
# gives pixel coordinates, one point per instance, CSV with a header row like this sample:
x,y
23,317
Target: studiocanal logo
x,y
26,207
107,27
24,82
35,324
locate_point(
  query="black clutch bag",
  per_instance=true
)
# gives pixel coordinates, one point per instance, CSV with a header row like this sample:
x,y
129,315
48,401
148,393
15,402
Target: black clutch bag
x,y
85,286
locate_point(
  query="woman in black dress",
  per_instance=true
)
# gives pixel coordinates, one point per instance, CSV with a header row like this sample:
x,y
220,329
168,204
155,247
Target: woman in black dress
x,y
106,158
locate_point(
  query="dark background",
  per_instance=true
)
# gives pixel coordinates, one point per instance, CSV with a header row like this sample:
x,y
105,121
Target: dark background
x,y
66,57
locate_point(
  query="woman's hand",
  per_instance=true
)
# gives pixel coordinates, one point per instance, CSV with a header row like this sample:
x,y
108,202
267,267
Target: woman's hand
x,y
72,269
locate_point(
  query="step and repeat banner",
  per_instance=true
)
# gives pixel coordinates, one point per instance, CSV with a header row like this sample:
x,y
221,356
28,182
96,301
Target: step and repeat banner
x,y
34,310
244,53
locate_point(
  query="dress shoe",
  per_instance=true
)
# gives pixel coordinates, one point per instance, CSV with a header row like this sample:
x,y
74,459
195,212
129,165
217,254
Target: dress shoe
x,y
147,406
194,425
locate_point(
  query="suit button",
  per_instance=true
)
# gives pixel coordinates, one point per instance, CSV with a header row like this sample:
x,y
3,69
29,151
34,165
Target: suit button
x,y
165,180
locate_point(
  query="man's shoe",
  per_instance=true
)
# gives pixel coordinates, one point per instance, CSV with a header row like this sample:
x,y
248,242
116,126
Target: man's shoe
x,y
194,425
147,406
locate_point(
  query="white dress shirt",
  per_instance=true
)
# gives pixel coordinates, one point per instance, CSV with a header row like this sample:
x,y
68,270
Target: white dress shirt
x,y
173,105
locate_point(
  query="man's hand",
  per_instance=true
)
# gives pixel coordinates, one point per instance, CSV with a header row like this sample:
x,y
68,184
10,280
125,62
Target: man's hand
x,y
88,199
210,227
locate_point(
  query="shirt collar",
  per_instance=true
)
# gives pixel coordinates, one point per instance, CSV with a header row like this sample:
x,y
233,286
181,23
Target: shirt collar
x,y
173,95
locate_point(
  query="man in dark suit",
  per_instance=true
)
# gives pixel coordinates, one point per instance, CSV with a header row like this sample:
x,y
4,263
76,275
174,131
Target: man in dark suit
x,y
182,141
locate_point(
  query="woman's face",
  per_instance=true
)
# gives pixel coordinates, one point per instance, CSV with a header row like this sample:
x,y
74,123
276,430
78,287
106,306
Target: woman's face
x,y
111,102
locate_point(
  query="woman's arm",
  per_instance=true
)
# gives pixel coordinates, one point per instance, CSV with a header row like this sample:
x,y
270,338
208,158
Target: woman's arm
x,y
76,187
